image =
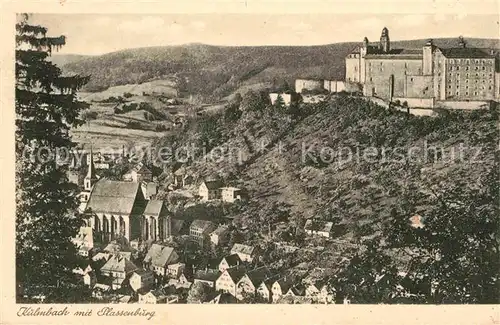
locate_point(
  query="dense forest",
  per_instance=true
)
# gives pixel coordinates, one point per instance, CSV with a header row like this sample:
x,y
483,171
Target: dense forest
x,y
452,257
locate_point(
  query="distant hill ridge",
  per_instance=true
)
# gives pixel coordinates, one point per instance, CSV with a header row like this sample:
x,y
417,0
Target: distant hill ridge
x,y
217,71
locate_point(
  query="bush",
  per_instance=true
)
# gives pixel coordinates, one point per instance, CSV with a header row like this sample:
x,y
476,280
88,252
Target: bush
x,y
134,125
160,128
89,116
127,95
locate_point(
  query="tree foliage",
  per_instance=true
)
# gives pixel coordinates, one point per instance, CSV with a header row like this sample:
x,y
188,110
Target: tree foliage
x,y
46,108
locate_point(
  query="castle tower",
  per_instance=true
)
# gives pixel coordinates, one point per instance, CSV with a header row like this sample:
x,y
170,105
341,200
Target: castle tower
x,y
385,45
427,62
91,177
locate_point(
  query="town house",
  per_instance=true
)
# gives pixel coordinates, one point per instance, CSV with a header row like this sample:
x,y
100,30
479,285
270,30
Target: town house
x,y
249,282
141,279
200,229
229,262
319,228
118,268
210,190
158,258
227,281
219,236
245,252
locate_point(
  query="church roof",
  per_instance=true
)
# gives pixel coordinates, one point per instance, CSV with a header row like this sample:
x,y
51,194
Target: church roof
x,y
466,52
153,208
113,197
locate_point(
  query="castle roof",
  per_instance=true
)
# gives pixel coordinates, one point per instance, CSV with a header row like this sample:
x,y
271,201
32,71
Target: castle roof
x,y
466,52
114,197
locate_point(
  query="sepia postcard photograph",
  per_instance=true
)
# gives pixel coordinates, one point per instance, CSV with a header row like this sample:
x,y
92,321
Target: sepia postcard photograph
x,y
324,159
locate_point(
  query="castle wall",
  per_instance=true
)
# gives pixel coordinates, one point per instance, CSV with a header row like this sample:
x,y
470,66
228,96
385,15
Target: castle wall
x,y
466,105
419,86
379,71
353,68
497,85
416,102
308,84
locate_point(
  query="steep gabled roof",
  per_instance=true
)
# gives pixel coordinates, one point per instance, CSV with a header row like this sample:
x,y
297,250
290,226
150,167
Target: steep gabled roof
x,y
159,255
236,273
232,260
209,275
258,275
113,197
118,263
213,184
220,230
204,225
154,207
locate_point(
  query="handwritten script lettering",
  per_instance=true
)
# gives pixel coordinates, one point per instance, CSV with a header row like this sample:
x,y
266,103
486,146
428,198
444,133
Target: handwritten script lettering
x,y
105,311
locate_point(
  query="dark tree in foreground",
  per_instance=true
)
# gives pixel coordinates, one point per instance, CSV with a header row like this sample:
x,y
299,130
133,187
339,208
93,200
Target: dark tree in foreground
x,y
46,108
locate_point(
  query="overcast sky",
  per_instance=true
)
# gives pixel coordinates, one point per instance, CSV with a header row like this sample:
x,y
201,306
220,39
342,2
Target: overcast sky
x,y
102,33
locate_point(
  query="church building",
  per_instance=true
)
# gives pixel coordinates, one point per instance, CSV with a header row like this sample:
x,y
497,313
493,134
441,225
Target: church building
x,y
119,210
426,75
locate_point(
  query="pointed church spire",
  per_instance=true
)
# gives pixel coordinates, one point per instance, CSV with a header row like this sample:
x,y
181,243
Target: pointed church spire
x,y
91,175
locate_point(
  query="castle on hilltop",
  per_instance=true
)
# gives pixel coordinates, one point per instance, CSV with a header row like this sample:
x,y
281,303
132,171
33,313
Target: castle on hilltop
x,y
422,77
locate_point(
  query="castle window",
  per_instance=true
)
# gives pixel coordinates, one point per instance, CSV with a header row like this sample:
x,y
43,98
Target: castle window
x,y
458,86
458,75
458,67
489,88
458,92
452,61
477,68
371,79
411,79
467,61
475,93
466,87
467,93
477,61
467,68
484,68
449,86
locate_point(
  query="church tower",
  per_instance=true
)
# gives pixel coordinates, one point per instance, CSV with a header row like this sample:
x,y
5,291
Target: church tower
x,y
91,177
385,43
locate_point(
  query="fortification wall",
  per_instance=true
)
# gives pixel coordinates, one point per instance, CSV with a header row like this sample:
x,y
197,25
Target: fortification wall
x,y
466,105
416,102
308,84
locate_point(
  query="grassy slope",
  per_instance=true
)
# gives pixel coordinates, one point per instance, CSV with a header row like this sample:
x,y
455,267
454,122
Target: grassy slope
x,y
361,193
215,71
